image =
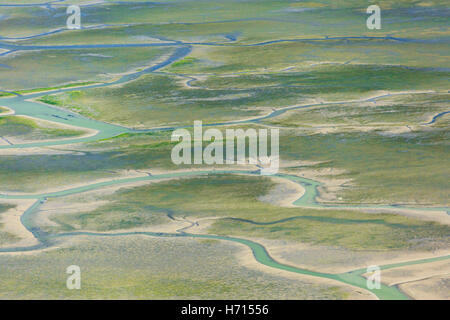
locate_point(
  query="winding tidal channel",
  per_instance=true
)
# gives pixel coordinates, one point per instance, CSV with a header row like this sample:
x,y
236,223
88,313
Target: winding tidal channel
x,y
23,105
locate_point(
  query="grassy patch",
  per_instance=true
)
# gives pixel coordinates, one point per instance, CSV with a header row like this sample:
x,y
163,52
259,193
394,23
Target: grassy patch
x,y
73,66
28,129
162,100
183,62
237,196
384,168
6,237
384,114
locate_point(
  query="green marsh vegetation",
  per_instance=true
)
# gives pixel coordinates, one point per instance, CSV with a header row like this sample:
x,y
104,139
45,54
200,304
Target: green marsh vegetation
x,y
85,163
385,168
39,172
442,123
75,65
69,85
149,268
234,81
154,101
410,164
27,91
40,19
250,21
383,114
276,57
